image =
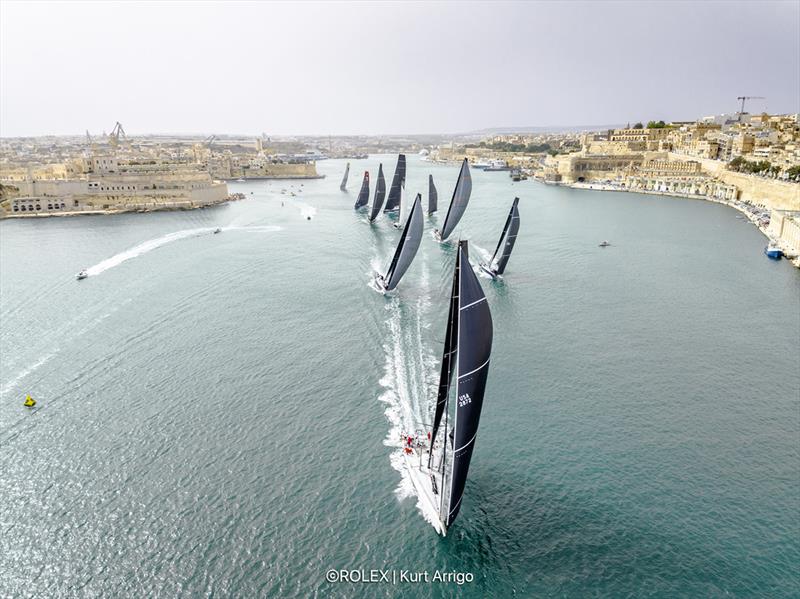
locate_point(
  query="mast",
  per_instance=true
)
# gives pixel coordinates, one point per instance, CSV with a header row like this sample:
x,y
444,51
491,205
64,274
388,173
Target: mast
x,y
473,350
398,181
459,201
433,196
507,239
380,193
407,247
343,186
363,195
448,355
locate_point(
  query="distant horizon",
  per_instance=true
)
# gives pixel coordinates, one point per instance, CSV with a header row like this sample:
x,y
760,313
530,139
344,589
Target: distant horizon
x,y
514,129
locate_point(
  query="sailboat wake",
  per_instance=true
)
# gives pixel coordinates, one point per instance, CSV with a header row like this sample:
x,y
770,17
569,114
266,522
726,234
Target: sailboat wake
x,y
152,244
409,375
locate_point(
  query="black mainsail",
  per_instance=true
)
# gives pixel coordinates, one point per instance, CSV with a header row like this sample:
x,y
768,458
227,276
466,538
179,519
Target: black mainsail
x,y
468,346
343,186
363,195
380,193
433,196
497,265
406,248
458,204
398,182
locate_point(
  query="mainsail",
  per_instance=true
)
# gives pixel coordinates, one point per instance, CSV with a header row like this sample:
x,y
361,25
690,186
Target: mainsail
x,y
433,196
398,181
380,193
407,247
458,204
507,239
343,186
363,195
468,346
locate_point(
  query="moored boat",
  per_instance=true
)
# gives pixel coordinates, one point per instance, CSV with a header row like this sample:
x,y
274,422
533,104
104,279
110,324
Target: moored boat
x,y
773,252
497,165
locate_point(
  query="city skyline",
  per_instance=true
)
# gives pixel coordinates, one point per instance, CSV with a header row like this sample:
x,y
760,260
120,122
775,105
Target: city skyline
x,y
387,69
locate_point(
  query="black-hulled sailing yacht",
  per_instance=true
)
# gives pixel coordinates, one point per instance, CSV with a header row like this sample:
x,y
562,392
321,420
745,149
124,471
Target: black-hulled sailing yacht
x,y
458,204
406,249
343,186
380,193
363,195
398,182
439,465
497,265
433,196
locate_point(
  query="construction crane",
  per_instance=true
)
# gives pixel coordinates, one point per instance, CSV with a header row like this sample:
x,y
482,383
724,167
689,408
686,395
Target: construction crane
x,y
207,141
743,98
116,132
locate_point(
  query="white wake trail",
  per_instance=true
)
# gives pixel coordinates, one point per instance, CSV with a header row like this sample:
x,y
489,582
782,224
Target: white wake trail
x,y
152,244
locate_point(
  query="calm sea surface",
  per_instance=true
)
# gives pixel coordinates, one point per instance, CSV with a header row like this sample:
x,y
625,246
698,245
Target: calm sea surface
x,y
216,412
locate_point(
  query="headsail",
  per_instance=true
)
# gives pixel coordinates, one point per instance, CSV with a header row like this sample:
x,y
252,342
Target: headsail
x,y
433,196
507,239
458,204
363,195
407,247
380,193
473,349
343,186
398,181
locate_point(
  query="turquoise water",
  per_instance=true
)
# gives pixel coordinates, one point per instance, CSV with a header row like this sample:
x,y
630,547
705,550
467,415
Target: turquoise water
x,y
217,413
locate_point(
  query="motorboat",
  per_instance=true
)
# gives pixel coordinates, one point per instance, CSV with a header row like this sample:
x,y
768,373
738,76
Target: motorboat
x,y
82,275
603,244
217,230
497,165
773,252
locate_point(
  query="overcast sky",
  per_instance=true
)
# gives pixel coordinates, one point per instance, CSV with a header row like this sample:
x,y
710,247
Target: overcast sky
x,y
349,68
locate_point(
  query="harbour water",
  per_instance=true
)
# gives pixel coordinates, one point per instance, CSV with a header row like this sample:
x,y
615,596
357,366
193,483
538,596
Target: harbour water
x,y
216,413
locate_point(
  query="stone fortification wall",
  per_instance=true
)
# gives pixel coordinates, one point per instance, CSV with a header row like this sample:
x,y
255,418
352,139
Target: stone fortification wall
x,y
770,193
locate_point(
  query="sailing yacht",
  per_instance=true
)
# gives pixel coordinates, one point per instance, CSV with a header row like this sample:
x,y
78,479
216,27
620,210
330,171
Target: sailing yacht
x,y
497,265
343,186
406,249
433,196
439,465
363,195
398,182
458,203
380,193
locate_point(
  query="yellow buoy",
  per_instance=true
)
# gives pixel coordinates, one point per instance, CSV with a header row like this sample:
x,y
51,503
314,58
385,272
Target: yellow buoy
x,y
29,401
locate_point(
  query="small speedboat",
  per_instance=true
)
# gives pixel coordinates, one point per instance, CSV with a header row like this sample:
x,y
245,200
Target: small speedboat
x,y
773,252
82,275
217,230
603,244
